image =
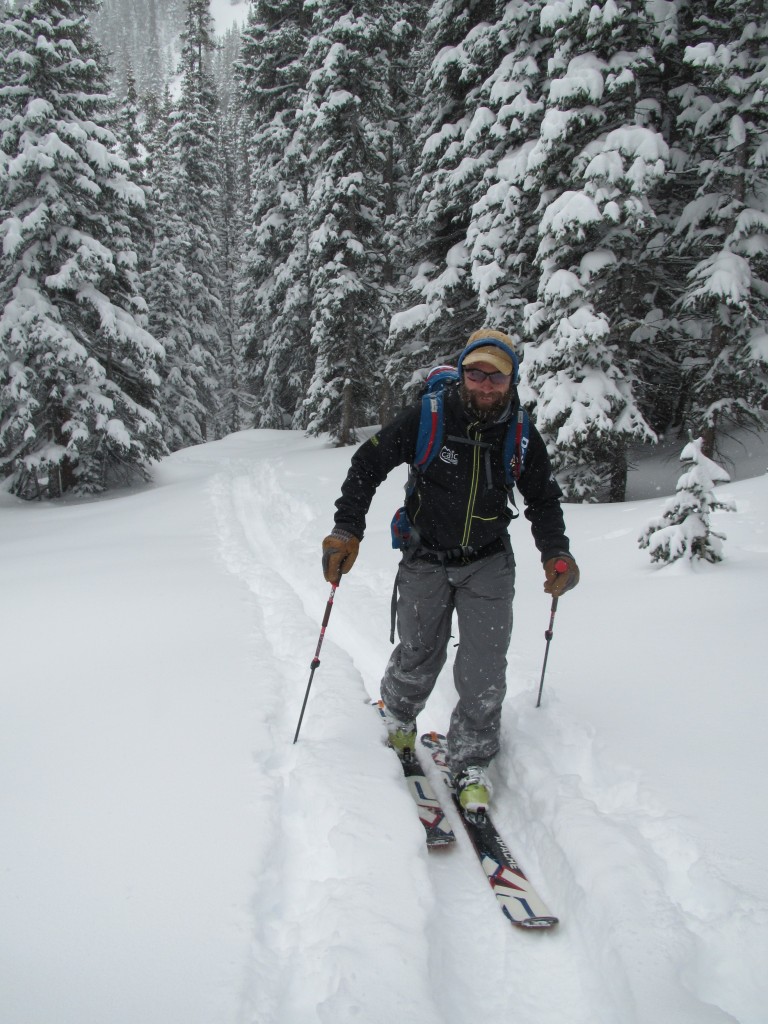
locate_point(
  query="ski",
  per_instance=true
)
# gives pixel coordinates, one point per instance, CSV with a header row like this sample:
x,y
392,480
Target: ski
x,y
431,813
517,898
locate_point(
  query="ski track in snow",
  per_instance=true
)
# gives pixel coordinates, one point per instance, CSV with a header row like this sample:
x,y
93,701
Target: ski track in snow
x,y
336,938
655,881
317,954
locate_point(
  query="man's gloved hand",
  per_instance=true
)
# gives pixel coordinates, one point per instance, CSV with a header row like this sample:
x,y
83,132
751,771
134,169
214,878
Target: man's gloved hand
x,y
562,574
339,553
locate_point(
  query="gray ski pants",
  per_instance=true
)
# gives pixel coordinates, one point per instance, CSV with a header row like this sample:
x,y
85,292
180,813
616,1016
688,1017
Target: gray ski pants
x,y
482,594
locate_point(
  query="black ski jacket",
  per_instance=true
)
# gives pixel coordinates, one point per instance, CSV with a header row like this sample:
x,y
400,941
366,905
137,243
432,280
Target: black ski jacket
x,y
460,501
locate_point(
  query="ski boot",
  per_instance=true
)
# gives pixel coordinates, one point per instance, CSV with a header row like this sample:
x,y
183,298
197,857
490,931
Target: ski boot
x,y
401,735
473,789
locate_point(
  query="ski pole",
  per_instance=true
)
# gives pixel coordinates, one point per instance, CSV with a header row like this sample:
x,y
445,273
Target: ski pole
x,y
316,659
561,566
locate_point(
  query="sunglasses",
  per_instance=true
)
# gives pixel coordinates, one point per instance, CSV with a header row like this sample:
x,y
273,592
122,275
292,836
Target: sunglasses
x,y
497,377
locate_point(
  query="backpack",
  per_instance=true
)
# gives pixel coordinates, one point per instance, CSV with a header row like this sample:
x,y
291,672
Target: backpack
x,y
430,438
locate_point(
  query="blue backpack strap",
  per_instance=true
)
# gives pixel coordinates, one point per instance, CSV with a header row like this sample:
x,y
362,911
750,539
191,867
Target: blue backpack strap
x,y
430,430
516,447
428,441
430,435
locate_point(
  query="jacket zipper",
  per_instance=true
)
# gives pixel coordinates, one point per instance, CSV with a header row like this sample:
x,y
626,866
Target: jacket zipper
x,y
476,458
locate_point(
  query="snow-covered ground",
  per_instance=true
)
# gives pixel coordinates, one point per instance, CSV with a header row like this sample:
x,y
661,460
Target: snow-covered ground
x,y
168,855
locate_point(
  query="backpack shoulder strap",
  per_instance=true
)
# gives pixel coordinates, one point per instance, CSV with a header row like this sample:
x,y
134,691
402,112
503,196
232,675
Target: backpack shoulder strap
x,y
430,434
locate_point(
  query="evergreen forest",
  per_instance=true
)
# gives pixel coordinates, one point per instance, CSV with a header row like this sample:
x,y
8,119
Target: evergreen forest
x,y
287,226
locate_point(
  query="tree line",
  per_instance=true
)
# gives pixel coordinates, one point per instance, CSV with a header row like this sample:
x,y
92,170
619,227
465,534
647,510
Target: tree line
x,y
312,211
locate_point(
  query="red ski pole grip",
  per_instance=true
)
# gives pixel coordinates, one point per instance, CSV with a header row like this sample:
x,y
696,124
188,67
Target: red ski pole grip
x,y
561,566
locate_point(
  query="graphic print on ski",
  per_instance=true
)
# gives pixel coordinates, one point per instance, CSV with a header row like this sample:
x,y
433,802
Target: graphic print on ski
x,y
517,898
431,814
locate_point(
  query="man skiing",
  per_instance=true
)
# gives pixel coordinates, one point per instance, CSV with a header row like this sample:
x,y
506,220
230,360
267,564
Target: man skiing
x,y
458,555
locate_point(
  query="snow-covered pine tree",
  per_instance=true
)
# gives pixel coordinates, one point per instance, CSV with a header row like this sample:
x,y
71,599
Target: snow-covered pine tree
x,y
403,55
460,48
185,381
723,231
275,292
195,357
503,229
594,168
224,63
165,285
684,527
78,382
660,333
130,133
233,388
348,122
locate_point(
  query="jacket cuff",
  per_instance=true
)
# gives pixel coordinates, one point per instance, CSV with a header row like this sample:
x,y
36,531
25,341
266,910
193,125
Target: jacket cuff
x,y
555,553
344,532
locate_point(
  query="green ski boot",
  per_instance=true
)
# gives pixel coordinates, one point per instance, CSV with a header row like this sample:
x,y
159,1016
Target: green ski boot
x,y
473,788
401,735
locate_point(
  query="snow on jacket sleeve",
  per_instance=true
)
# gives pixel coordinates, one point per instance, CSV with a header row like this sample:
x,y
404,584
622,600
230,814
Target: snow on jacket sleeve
x,y
371,464
542,496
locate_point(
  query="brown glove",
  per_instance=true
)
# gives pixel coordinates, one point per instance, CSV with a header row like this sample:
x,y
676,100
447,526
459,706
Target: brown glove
x,y
562,574
339,553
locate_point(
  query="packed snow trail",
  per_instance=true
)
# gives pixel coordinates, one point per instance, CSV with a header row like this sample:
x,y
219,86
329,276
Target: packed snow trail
x,y
429,930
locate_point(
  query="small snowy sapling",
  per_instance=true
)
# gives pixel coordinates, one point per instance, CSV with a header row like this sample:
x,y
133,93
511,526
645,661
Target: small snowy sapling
x,y
684,527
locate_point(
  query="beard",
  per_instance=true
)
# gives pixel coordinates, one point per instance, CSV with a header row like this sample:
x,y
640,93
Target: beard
x,y
487,413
